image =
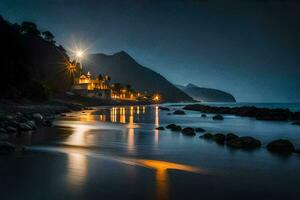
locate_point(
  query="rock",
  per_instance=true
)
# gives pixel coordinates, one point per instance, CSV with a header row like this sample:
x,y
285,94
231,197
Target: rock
x,y
11,129
207,136
219,138
2,130
297,151
218,117
37,117
19,114
63,114
163,108
161,128
4,136
179,112
281,146
32,124
188,131
231,136
6,148
24,127
10,117
200,130
296,123
176,128
246,142
12,123
170,126
47,123
203,115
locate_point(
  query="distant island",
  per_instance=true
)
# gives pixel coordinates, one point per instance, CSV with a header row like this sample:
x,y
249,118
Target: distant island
x,y
206,94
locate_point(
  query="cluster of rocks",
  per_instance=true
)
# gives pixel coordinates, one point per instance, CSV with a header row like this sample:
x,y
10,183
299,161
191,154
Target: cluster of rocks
x,y
27,120
249,111
246,142
189,131
233,140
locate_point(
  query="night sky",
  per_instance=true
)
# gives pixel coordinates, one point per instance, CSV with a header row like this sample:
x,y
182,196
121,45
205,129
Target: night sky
x,y
248,48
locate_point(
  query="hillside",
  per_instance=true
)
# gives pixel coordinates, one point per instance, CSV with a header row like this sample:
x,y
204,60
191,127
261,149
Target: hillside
x,y
124,69
206,94
31,66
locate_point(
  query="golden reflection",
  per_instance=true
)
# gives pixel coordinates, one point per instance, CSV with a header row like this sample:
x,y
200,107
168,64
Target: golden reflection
x,y
79,135
138,110
144,109
156,123
161,177
86,116
161,173
113,114
77,169
122,115
102,118
131,145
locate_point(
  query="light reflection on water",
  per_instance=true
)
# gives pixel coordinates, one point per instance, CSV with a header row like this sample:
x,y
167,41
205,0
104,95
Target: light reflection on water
x,y
122,115
145,158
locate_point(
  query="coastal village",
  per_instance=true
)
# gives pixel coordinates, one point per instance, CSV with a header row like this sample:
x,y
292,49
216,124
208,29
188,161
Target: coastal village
x,y
100,87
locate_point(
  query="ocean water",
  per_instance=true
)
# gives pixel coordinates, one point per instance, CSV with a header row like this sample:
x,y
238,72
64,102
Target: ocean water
x,y
116,153
295,107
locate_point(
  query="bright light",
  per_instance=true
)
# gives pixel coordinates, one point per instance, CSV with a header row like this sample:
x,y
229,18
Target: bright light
x,y
79,54
156,98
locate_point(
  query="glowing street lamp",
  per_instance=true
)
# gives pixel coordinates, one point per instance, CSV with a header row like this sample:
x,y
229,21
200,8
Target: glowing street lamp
x,y
156,98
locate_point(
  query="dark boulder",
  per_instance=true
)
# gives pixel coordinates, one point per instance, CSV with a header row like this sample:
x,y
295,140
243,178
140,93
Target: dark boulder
x,y
219,138
4,136
11,129
207,136
163,108
161,128
24,127
37,117
245,142
199,130
218,117
179,112
281,146
170,126
176,128
203,115
231,136
296,123
6,148
297,151
2,130
188,131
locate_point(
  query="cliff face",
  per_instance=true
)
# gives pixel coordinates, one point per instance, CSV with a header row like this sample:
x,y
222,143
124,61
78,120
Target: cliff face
x,y
124,69
207,94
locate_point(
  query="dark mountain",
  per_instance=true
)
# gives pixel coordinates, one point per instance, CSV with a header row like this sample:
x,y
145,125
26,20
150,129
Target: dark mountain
x,y
206,94
124,69
32,66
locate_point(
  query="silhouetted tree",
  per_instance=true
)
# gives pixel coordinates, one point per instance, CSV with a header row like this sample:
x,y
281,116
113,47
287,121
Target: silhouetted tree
x,y
128,88
100,77
117,87
29,28
48,36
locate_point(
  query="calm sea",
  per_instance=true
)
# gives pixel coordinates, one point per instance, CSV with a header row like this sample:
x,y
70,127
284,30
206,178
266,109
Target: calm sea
x,y
116,153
